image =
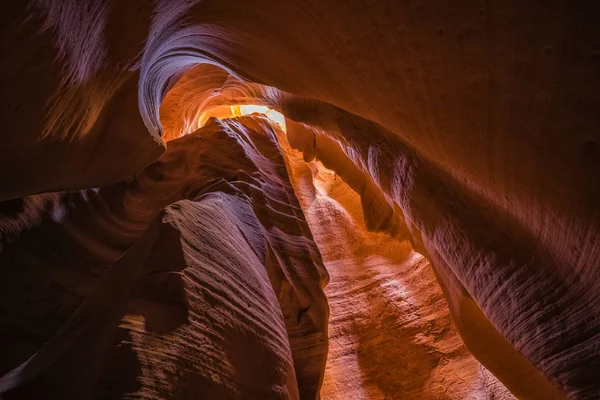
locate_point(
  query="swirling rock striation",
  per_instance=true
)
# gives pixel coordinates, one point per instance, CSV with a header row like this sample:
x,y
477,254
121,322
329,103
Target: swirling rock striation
x,y
230,288
478,123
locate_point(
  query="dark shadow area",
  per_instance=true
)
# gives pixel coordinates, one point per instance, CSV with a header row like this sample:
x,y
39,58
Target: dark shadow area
x,y
122,369
159,294
11,207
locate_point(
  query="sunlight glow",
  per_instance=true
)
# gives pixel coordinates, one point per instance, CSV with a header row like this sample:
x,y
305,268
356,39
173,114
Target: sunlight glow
x,y
232,111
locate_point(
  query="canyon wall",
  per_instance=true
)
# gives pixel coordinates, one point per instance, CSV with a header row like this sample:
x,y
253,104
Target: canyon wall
x,y
221,296
471,130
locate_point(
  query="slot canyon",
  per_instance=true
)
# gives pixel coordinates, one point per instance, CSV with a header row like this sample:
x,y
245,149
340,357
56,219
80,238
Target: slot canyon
x,y
316,199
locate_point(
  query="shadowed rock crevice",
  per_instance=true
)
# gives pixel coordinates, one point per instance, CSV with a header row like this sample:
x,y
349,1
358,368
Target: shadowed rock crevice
x,y
465,132
160,311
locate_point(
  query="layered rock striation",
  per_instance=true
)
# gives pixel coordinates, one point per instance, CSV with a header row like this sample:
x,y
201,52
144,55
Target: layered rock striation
x,y
220,296
468,130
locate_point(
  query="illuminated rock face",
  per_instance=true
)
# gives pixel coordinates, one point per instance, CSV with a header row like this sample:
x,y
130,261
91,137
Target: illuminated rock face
x,y
468,131
225,301
390,330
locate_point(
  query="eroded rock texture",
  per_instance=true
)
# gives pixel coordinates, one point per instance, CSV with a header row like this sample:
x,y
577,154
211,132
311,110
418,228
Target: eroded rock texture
x,y
469,130
225,301
391,333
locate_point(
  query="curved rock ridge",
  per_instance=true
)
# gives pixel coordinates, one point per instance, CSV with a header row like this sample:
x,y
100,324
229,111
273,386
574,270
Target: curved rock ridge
x,y
446,217
230,288
364,154
445,226
391,333
478,122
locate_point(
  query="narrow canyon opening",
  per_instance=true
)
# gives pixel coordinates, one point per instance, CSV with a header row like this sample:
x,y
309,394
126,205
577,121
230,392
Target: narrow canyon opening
x,y
299,200
390,329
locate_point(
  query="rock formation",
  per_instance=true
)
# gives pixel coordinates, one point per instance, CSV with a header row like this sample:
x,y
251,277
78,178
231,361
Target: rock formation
x,y
439,161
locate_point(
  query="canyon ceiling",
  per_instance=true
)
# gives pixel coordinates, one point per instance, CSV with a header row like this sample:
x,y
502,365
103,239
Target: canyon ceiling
x,y
413,213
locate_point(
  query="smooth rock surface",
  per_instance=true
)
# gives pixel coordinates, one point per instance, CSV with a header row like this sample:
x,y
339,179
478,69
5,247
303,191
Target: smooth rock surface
x,y
473,128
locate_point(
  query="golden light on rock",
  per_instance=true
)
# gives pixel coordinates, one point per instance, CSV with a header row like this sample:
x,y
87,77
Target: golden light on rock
x,y
238,110
427,227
